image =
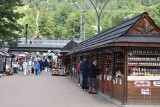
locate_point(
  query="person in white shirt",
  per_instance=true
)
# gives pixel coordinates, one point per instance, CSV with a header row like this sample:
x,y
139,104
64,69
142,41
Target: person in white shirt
x,y
30,66
15,67
25,67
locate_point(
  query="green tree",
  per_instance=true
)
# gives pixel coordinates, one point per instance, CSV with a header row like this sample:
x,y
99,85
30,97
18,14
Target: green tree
x,y
46,25
60,17
154,12
73,25
30,19
9,28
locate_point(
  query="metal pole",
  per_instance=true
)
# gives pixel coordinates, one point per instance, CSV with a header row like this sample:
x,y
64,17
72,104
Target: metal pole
x,y
81,17
99,19
99,14
84,31
26,32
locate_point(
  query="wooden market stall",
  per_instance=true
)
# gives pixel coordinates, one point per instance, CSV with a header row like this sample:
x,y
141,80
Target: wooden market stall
x,y
67,48
129,56
63,60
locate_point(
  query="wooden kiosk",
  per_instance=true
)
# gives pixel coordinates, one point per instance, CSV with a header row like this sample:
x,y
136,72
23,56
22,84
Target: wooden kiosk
x,y
129,56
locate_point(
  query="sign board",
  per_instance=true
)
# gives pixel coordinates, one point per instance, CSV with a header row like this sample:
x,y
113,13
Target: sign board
x,y
142,84
145,91
156,83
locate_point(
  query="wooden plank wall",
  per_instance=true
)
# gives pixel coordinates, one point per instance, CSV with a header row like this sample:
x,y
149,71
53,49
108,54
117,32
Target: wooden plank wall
x,y
118,89
108,87
135,96
99,86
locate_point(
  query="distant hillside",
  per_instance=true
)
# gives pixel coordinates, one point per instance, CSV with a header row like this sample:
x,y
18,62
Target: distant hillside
x,y
61,18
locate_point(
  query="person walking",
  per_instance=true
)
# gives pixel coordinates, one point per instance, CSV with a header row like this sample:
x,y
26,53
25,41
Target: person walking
x,y
50,65
79,74
41,65
84,68
37,67
46,65
15,67
25,67
93,72
30,66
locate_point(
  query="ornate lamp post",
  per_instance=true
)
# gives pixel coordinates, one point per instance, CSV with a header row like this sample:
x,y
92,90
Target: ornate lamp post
x,y
81,18
99,13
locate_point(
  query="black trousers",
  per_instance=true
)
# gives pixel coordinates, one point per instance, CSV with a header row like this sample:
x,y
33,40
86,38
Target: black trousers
x,y
85,81
15,70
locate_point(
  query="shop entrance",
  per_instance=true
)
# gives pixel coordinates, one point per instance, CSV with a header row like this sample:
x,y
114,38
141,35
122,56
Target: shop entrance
x,y
118,75
108,70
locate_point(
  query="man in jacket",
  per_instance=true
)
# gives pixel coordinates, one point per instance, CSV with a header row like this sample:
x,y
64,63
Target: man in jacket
x,y
84,69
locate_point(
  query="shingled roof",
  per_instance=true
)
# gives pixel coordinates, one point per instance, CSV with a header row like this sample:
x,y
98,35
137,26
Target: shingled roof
x,y
69,46
115,34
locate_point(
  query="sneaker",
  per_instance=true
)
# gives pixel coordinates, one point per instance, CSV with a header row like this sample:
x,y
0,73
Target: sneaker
x,y
85,90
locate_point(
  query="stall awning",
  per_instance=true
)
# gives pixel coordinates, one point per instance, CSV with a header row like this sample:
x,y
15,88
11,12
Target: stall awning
x,y
22,55
50,54
2,53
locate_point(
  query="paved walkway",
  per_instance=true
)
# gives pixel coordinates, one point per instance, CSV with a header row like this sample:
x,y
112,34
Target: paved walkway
x,y
46,91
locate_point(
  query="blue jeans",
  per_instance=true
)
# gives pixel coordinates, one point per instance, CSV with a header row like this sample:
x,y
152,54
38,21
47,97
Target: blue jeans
x,y
80,79
37,71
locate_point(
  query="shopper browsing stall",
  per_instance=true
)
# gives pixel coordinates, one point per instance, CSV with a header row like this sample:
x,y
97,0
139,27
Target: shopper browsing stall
x,y
93,72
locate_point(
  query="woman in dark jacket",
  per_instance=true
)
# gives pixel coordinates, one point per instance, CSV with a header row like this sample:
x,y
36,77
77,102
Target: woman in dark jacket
x,y
46,65
93,72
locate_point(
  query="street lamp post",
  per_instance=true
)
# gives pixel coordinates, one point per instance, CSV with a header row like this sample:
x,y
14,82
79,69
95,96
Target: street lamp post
x,y
26,32
81,23
81,18
99,14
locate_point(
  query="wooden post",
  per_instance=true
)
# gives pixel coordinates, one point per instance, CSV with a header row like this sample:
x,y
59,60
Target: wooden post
x,y
74,64
103,70
113,71
71,65
125,75
90,58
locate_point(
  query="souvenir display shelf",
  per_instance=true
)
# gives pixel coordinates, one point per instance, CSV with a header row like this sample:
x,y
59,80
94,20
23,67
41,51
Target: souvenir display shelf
x,y
119,62
143,64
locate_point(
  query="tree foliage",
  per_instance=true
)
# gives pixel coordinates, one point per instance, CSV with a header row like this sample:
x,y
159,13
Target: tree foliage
x,y
9,28
60,19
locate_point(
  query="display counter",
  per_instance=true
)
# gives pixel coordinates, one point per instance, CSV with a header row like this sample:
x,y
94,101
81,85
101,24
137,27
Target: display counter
x,y
143,76
58,71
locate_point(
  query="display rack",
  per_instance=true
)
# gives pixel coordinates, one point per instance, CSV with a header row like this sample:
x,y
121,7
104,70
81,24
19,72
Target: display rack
x,y
119,62
143,62
100,61
108,71
107,63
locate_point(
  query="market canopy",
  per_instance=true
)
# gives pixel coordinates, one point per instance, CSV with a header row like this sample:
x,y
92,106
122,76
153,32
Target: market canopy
x,y
50,54
22,55
3,53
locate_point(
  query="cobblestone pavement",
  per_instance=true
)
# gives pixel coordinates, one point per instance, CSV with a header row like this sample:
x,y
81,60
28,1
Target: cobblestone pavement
x,y
46,91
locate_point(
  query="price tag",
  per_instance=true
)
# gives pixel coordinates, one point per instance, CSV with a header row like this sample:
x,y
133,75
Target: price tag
x,y
145,91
